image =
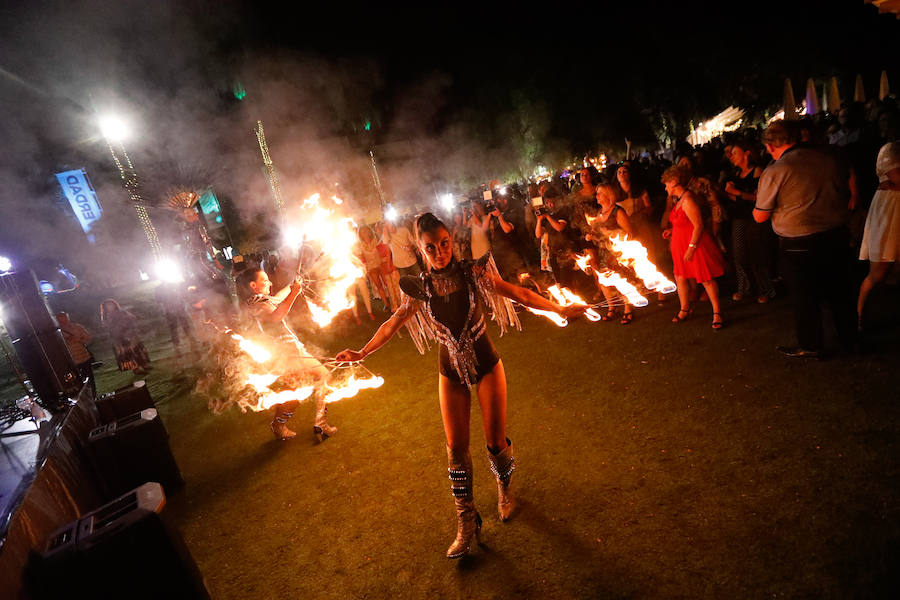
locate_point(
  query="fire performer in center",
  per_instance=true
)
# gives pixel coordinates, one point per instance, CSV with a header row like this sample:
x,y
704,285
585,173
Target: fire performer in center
x,y
254,289
448,304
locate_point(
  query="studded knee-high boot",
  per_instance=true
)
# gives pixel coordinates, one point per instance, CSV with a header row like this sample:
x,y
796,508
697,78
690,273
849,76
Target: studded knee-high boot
x,y
503,463
283,413
468,521
321,428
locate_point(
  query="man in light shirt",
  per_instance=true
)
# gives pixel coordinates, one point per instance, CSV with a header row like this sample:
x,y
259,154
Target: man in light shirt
x,y
403,248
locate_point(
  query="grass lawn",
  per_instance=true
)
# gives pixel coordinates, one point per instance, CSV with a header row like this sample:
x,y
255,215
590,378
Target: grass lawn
x,y
654,460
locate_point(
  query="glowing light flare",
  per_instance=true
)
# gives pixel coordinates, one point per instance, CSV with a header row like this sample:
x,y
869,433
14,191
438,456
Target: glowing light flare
x,y
168,271
390,213
254,350
447,202
352,387
113,128
632,253
5,265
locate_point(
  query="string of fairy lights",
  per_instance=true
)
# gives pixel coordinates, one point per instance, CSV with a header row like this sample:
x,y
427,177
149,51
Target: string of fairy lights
x,y
132,186
270,168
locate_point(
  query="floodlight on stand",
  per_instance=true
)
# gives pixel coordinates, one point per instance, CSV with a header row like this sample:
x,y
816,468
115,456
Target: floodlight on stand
x,y
5,265
390,213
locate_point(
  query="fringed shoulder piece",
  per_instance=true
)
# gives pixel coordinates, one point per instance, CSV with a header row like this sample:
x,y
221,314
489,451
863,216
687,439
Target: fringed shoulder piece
x,y
413,295
483,271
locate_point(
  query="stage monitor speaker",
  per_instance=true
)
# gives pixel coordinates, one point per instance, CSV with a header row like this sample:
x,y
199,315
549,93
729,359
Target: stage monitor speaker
x,y
37,339
128,548
124,401
132,450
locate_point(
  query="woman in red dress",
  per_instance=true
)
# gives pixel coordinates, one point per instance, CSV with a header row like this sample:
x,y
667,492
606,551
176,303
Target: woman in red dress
x,y
695,254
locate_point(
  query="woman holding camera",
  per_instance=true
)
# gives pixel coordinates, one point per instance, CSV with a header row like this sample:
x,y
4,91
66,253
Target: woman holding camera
x,y
448,304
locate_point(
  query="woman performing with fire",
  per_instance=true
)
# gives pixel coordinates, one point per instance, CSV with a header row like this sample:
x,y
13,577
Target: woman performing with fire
x,y
448,304
253,287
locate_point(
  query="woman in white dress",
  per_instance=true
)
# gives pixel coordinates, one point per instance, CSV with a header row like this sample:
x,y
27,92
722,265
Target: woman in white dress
x,y
881,238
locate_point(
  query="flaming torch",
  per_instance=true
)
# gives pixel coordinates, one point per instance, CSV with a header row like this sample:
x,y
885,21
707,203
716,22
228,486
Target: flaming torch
x,y
268,397
633,254
334,237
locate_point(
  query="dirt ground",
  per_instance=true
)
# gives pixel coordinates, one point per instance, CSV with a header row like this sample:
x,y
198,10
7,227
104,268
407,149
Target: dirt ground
x,y
654,461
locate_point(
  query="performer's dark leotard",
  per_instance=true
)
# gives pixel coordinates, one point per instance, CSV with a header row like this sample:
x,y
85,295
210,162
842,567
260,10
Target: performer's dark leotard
x,y
452,302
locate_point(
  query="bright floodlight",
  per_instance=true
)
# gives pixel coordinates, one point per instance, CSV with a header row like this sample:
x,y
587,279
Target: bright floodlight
x,y
168,271
503,191
113,128
5,264
390,213
292,237
447,202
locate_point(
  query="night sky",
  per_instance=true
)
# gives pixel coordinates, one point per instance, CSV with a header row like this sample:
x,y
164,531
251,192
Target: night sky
x,y
450,75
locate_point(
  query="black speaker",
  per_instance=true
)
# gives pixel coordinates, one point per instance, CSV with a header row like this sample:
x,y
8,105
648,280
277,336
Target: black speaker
x,y
132,450
37,339
128,548
124,401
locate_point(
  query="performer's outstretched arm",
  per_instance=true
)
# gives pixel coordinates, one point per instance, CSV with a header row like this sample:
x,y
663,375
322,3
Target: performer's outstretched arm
x,y
384,333
284,306
528,298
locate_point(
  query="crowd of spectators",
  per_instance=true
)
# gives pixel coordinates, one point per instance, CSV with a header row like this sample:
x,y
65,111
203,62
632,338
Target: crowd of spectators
x,y
734,219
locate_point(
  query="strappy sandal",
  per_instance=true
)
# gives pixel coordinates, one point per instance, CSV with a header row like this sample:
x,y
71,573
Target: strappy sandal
x,y
678,318
609,316
627,318
717,325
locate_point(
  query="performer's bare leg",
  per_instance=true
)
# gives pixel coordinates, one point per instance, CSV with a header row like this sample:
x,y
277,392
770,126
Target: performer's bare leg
x,y
456,403
492,398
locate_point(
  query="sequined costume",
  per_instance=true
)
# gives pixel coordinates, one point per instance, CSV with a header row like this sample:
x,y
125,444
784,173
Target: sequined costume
x,y
450,306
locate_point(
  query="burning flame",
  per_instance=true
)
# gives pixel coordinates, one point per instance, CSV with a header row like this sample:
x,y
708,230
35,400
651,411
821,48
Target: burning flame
x,y
352,387
335,236
559,320
269,398
631,293
256,352
566,297
633,254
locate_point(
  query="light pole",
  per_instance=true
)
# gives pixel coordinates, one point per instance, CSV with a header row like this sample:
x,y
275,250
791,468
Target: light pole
x,y
114,132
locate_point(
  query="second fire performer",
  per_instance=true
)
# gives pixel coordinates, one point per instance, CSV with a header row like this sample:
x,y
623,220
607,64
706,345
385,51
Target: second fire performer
x,y
270,312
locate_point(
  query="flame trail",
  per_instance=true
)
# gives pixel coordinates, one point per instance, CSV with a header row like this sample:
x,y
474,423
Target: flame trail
x,y
632,253
267,397
566,297
631,293
334,237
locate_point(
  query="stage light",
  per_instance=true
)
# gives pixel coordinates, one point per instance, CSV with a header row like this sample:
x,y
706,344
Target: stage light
x,y
503,191
144,275
5,265
390,213
447,201
168,271
46,287
113,128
